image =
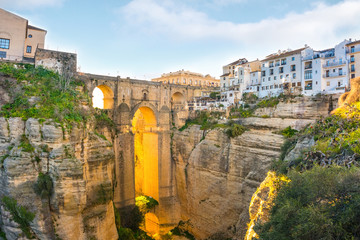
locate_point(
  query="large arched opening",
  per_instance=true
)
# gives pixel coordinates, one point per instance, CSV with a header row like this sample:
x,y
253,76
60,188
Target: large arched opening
x,y
151,224
103,97
146,153
177,98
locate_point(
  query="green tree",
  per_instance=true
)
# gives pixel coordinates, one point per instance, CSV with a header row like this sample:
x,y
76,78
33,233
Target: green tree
x,y
322,203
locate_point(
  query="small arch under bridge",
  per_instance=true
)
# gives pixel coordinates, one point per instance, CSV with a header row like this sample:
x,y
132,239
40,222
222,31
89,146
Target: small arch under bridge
x,y
144,113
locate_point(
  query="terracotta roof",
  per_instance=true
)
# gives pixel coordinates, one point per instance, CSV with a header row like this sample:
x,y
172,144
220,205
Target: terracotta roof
x,y
241,60
283,54
351,43
224,75
36,28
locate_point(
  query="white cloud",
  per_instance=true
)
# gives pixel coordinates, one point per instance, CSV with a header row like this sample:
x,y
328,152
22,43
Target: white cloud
x,y
26,4
323,25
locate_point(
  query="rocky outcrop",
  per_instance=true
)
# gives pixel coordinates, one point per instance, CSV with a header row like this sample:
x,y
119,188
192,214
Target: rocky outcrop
x,y
216,177
81,166
300,108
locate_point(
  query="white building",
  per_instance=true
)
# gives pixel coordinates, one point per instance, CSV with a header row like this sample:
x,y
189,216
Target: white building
x,y
326,71
229,83
281,72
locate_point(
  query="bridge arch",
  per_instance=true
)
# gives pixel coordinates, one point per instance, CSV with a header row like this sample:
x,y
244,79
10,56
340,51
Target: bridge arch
x,y
103,97
178,98
146,156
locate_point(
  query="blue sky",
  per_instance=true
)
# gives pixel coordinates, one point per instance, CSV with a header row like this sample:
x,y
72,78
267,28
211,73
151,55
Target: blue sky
x,y
145,38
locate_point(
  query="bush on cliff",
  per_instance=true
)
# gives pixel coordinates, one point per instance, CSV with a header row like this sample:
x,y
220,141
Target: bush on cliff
x,y
20,215
321,203
44,185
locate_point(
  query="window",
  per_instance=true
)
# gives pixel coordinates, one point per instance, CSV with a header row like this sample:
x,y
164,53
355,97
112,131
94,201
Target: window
x,y
4,43
353,68
281,69
328,84
190,82
339,83
293,68
271,87
271,64
263,79
293,59
2,54
241,72
340,72
184,81
275,78
269,78
281,76
352,49
283,61
352,58
262,88
28,49
299,84
308,74
263,65
352,75
263,73
277,63
293,84
30,35
267,87
294,75
271,71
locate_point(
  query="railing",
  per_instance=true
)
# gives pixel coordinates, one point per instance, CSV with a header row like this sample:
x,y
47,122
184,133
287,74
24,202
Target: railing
x,y
330,75
355,50
308,66
333,64
308,88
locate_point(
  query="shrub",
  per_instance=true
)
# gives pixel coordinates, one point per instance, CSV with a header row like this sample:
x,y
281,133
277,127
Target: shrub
x,y
44,185
288,132
20,215
145,203
271,102
25,144
235,130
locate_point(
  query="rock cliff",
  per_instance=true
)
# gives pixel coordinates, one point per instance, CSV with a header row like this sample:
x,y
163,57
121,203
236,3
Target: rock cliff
x,y
81,166
216,176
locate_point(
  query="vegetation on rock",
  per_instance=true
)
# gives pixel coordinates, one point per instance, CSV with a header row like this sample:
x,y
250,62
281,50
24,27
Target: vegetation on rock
x,y
52,99
44,185
321,203
322,199
20,215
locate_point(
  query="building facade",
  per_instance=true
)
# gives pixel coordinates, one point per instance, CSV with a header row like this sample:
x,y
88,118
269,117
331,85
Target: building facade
x,y
281,72
188,78
326,71
18,39
353,57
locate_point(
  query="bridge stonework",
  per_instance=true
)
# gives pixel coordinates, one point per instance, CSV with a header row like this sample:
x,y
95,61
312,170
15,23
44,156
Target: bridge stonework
x,y
129,95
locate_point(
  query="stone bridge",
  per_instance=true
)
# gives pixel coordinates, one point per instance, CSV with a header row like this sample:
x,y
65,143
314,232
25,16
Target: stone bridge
x,y
145,112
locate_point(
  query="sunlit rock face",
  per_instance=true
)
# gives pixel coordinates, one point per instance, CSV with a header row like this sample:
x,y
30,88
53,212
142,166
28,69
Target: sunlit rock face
x,y
217,176
81,165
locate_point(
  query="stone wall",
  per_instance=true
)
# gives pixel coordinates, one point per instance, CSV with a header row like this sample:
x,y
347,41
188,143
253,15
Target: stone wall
x,y
62,62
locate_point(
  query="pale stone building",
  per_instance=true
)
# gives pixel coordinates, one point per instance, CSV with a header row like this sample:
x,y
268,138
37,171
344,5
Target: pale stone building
x,y
187,78
281,72
326,71
353,56
18,39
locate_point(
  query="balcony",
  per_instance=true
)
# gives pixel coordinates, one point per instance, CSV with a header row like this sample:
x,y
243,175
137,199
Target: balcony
x,y
308,66
353,51
340,88
334,64
336,74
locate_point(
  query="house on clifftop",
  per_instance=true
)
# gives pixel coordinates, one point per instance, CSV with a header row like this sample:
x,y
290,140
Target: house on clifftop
x,y
19,40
